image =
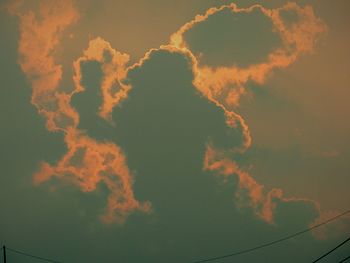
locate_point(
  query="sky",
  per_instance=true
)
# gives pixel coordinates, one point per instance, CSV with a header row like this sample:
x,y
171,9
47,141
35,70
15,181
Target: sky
x,y
174,131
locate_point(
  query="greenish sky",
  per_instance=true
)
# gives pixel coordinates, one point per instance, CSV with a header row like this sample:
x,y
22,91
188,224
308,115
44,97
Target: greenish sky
x,y
163,177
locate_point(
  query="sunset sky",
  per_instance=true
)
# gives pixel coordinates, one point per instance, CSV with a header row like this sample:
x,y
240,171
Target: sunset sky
x,y
174,131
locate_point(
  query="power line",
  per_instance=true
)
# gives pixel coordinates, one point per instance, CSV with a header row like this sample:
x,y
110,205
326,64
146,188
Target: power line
x,y
342,243
32,256
272,242
344,259
232,254
4,251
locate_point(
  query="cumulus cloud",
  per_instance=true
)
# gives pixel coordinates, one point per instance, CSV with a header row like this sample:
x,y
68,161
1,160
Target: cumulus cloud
x,y
225,85
89,162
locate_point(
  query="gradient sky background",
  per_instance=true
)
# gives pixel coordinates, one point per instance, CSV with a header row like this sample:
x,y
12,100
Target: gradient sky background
x,y
180,205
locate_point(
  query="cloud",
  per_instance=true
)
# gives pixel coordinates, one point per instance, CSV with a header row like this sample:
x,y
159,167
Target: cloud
x,y
87,162
39,36
114,71
250,192
226,85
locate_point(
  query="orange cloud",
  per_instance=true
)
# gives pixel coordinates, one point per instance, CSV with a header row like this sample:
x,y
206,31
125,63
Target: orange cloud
x,y
87,162
39,36
250,192
297,39
114,71
225,85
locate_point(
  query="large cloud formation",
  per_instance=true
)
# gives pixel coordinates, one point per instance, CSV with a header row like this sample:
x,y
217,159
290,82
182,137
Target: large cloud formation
x,y
89,162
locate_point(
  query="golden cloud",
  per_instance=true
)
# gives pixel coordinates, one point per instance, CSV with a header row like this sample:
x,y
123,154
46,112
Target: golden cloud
x,y
89,162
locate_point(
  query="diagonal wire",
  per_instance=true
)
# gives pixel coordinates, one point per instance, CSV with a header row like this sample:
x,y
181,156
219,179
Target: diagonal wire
x,y
338,246
273,242
344,259
32,256
239,252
